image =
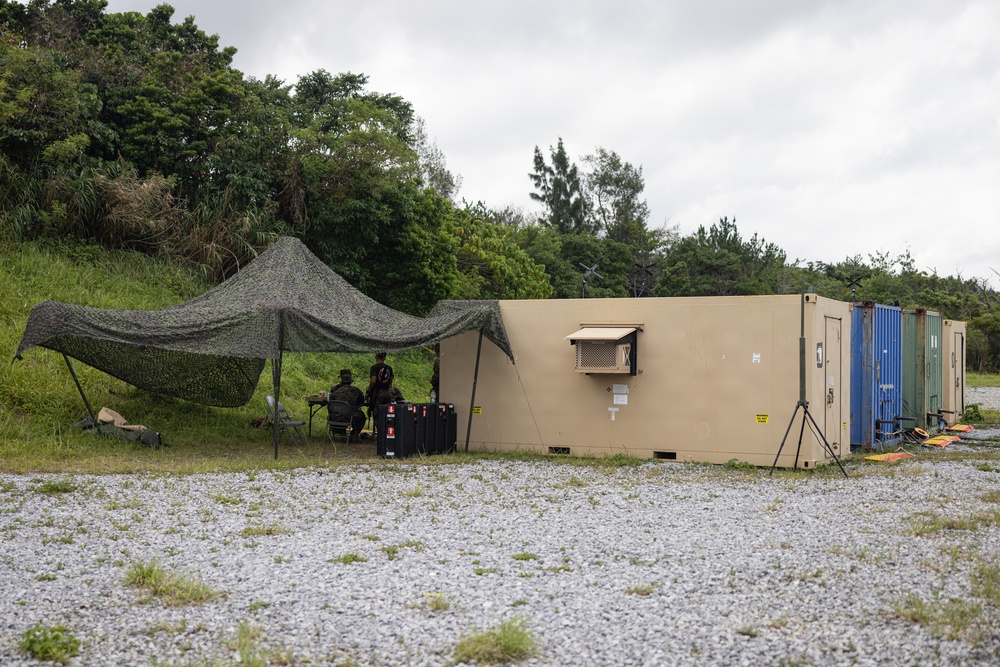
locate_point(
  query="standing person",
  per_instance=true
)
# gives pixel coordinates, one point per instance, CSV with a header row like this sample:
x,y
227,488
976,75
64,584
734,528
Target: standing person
x,y
436,376
380,382
347,392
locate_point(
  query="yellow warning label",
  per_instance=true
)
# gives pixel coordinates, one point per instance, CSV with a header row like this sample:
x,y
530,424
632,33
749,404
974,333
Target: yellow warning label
x,y
761,419
477,410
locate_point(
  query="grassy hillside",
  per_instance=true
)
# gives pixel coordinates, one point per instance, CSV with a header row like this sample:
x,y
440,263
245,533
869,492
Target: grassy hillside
x,y
39,402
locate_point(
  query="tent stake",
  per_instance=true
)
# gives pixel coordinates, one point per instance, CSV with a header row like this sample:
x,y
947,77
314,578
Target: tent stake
x,y
90,410
475,379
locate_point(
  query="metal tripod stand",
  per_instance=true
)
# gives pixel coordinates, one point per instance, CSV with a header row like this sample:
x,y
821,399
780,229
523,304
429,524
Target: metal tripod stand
x,y
804,404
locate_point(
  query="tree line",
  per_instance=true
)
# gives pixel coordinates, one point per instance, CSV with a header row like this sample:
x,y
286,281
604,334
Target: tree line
x,y
135,131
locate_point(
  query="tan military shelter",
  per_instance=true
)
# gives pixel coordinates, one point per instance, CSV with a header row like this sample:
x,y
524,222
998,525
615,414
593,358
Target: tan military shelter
x,y
688,379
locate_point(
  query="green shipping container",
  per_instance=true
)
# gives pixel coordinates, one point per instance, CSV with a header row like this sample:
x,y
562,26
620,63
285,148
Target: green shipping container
x,y
922,369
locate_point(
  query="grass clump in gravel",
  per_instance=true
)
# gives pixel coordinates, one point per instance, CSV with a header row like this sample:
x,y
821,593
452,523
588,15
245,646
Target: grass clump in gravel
x,y
347,559
929,523
438,602
53,487
640,589
257,531
525,555
174,589
985,582
951,619
510,641
247,645
392,550
54,643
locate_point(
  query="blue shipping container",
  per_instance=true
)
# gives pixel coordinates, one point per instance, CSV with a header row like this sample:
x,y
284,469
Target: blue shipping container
x,y
876,375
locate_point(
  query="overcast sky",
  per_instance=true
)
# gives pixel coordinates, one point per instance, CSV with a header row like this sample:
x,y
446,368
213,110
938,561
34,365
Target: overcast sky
x,y
830,128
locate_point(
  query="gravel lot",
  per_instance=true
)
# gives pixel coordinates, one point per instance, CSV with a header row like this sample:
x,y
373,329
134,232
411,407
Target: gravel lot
x,y
987,397
656,564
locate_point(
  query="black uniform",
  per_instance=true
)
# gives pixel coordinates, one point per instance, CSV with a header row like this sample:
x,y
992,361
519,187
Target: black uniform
x,y
380,395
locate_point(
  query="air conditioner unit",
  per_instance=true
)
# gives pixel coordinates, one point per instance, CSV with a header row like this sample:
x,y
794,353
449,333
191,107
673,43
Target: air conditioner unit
x,y
605,349
603,357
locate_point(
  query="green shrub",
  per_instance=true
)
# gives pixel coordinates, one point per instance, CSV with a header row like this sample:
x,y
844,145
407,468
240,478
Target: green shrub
x,y
53,643
736,464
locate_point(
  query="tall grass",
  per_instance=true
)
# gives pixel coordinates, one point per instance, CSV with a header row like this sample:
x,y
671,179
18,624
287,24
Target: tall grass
x,y
39,403
974,379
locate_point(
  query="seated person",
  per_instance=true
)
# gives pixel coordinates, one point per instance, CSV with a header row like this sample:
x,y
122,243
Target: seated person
x,y
347,392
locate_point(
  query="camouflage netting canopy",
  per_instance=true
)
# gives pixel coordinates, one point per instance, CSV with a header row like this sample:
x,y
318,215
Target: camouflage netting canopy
x,y
212,349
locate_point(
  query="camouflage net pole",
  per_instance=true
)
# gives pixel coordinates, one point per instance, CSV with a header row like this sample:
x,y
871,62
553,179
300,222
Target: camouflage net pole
x,y
475,379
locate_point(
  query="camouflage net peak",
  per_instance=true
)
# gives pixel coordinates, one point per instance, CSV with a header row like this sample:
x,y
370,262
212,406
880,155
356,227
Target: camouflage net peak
x,y
212,349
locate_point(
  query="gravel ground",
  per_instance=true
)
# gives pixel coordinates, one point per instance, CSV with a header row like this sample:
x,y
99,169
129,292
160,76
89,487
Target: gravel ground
x,y
987,397
655,564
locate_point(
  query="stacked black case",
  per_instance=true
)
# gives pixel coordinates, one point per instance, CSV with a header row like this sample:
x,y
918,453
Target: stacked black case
x,y
395,431
406,429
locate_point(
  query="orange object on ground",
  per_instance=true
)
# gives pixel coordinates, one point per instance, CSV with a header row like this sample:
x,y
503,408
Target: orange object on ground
x,y
942,440
963,428
888,458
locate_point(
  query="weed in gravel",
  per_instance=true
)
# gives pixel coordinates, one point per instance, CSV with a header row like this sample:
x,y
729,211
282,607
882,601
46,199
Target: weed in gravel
x,y
131,504
511,641
951,619
736,464
985,582
167,628
992,496
247,646
347,559
52,487
224,499
640,589
173,588
257,531
524,555
437,602
929,523
413,544
53,643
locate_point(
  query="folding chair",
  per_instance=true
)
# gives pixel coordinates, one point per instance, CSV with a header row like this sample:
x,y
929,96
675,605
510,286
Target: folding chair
x,y
284,420
340,416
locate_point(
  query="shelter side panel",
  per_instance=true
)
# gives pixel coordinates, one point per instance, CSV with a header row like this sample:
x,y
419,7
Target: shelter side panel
x,y
717,378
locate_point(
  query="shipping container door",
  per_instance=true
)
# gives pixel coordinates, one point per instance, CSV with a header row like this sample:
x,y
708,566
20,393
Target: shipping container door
x,y
958,363
833,413
934,365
